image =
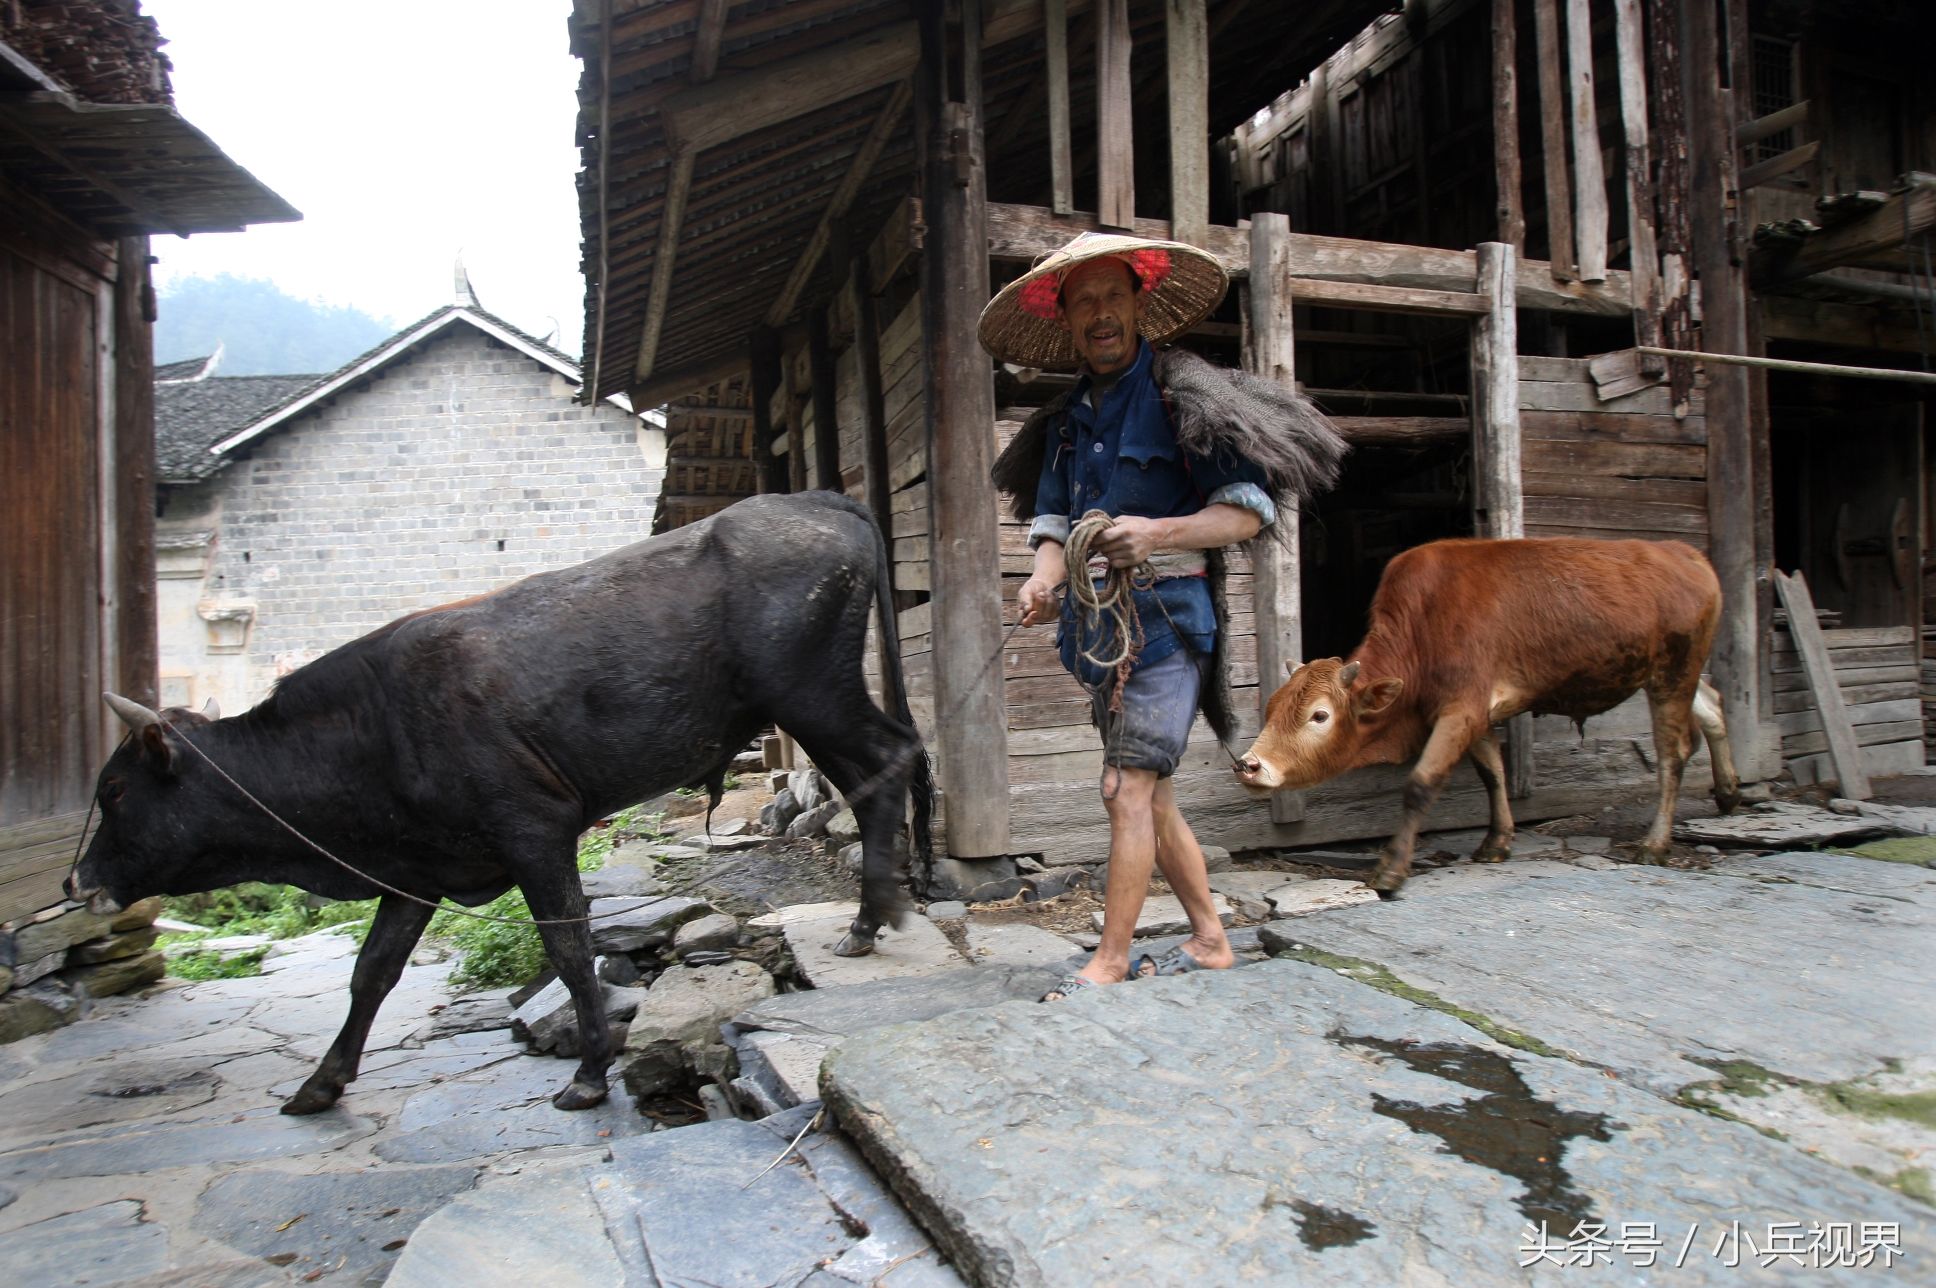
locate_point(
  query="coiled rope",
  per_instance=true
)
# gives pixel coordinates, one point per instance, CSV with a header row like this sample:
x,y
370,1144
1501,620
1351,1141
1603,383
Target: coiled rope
x,y
1108,611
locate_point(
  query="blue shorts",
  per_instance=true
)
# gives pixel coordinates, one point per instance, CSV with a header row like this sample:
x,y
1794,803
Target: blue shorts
x,y
1159,706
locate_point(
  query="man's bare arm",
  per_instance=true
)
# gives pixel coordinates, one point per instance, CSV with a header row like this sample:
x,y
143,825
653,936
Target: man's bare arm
x,y
1132,539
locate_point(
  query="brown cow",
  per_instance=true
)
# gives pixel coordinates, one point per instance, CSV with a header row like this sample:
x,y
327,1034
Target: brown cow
x,y
1465,634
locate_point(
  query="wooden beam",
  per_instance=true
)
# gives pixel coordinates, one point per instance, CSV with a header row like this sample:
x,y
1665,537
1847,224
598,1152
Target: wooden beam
x,y
858,169
1865,237
1775,167
647,394
588,393
1807,368
705,40
1854,326
1498,492
1389,299
971,715
1055,34
1187,58
1505,125
1270,354
1752,132
826,420
1023,233
1552,117
664,260
1589,171
1402,431
1115,153
733,106
1845,754
1644,255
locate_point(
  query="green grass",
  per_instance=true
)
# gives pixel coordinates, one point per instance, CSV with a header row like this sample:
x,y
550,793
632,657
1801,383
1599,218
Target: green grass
x,y
494,955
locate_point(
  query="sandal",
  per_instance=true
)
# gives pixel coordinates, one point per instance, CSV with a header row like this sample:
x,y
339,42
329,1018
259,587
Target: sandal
x,y
1174,962
1066,987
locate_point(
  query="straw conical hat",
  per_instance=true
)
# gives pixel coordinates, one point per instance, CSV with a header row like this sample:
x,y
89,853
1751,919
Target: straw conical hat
x,y
1181,284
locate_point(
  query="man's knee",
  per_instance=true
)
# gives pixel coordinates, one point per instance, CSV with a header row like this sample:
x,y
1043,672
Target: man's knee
x,y
1128,792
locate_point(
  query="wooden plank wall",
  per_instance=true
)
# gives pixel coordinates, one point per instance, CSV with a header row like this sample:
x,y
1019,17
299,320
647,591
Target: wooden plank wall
x,y
1879,672
1625,468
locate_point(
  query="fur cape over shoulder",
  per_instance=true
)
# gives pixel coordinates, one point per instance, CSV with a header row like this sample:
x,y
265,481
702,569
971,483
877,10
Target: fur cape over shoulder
x,y
1213,410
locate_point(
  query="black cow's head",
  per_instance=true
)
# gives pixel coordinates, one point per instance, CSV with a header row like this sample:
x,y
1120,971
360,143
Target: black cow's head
x,y
156,818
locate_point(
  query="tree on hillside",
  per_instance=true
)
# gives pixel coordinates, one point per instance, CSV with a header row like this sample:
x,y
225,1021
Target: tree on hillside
x,y
264,332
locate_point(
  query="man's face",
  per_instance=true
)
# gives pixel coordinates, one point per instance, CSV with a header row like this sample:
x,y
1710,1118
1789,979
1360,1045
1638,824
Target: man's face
x,y
1100,309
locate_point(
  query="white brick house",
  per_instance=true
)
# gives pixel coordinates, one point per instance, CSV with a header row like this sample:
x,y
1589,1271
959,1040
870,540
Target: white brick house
x,y
297,513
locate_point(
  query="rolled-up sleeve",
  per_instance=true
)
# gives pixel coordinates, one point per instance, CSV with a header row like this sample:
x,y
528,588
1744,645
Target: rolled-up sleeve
x,y
1248,495
1052,495
1224,479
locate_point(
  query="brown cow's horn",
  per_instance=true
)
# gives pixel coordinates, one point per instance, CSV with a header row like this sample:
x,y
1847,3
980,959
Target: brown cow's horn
x,y
136,716
1350,673
210,710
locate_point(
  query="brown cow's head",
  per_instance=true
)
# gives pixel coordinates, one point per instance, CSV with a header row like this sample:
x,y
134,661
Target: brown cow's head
x,y
1313,727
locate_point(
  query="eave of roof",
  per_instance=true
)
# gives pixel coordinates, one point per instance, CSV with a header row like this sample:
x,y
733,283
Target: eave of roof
x,y
396,347
128,169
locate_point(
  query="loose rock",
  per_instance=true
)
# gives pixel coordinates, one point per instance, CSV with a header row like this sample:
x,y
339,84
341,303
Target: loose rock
x,y
38,1008
1163,915
842,829
676,1029
129,944
628,925
778,814
118,976
813,822
947,910
712,933
549,1021
1048,883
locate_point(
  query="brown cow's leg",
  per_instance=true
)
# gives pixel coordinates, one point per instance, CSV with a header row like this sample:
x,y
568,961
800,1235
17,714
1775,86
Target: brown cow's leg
x,y
1450,739
1497,847
1673,740
1707,713
386,950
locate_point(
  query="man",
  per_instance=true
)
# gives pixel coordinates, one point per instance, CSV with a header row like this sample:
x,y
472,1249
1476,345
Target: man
x,y
1187,459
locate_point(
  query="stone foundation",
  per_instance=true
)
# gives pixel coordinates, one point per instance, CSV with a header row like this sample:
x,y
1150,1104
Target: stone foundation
x,y
53,964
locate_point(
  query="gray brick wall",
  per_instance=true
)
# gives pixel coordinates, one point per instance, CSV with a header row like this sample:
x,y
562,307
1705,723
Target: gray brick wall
x,y
462,467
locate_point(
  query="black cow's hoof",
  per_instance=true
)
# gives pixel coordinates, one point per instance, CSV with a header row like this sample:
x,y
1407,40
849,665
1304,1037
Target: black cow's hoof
x,y
852,945
579,1095
311,1100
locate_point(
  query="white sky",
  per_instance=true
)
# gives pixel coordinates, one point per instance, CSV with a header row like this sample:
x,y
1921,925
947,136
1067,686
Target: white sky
x,y
407,132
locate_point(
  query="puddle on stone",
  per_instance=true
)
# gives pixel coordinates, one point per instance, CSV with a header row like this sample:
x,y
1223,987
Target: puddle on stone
x,y
1508,1130
1321,1227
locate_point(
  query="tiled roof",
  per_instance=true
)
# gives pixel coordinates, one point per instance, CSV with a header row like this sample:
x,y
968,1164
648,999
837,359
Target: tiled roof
x,y
192,416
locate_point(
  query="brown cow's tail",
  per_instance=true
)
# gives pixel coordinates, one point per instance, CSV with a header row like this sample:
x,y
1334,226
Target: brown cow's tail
x,y
894,694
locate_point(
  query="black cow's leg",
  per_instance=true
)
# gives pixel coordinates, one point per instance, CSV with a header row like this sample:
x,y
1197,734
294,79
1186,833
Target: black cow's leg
x,y
1497,847
1451,737
871,771
559,897
386,951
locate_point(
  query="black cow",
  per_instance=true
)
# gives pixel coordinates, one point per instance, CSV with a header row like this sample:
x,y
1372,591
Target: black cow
x,y
460,751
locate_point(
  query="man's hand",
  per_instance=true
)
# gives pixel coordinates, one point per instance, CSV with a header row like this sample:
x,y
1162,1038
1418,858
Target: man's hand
x,y
1037,601
1130,541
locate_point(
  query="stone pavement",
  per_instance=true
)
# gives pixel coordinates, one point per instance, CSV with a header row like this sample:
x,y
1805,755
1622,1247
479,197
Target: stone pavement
x,y
1396,1097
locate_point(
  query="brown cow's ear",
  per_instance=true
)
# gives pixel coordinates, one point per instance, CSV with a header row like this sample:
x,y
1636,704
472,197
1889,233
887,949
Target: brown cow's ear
x,y
1377,696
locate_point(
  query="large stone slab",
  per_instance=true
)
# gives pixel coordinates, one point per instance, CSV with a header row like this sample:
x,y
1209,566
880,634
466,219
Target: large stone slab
x,y
1815,965
150,1146
348,1225
779,1070
119,1091
837,1012
1163,915
1323,1131
1019,944
1782,825
540,1230
916,948
99,1245
502,1108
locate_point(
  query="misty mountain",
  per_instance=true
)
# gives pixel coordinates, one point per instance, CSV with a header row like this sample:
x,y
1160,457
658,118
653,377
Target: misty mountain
x,y
265,331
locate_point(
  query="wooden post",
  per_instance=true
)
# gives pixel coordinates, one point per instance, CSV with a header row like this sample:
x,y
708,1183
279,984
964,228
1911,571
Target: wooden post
x,y
1589,171
1645,268
1552,137
1733,486
135,650
1505,124
873,399
1269,352
763,380
796,429
826,420
1843,751
1499,501
970,712
1187,46
1668,139
1325,148
1115,158
1055,21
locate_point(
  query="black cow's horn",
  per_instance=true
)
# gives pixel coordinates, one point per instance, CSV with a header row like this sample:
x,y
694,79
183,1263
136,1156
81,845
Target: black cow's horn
x,y
210,710
136,716
1350,673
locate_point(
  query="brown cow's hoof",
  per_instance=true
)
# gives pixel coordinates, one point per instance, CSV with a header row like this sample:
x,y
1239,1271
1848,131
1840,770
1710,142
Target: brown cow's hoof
x,y
1492,853
852,945
1727,802
311,1100
580,1095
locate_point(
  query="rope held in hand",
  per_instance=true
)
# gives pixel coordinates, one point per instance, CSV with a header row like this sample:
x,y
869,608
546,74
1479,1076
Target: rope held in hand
x,y
1111,602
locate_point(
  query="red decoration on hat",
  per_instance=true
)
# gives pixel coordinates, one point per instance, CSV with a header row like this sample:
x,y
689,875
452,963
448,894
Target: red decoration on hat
x,y
1041,296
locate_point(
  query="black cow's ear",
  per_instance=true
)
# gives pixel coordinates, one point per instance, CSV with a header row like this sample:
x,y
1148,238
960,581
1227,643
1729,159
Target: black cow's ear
x,y
157,753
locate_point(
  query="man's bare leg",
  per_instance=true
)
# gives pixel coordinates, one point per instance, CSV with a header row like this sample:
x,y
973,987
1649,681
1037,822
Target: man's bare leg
x,y
1132,854
1180,859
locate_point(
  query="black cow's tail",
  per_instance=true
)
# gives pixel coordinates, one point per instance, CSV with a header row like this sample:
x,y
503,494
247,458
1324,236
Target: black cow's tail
x,y
894,695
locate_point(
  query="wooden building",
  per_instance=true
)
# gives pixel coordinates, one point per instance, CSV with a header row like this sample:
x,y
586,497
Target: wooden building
x,y
1459,227
92,160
